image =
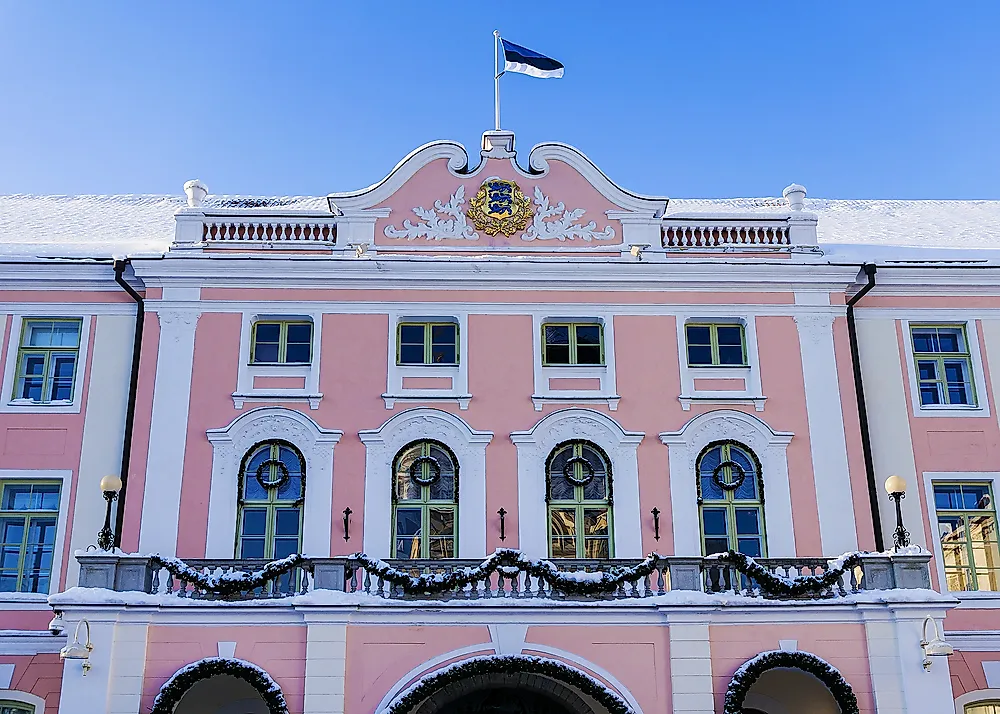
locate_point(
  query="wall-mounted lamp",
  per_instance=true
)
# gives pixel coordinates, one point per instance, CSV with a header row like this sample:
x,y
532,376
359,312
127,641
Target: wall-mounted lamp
x,y
110,486
503,514
56,625
935,646
347,523
895,486
79,650
656,522
636,251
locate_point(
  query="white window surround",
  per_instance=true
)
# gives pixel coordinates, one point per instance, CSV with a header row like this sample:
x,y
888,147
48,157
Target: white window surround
x,y
752,393
606,393
770,447
991,477
245,391
976,697
33,703
64,477
533,449
8,404
230,445
458,374
469,448
982,408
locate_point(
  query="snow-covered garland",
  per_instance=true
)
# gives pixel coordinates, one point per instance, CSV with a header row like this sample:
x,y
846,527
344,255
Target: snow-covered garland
x,y
749,672
509,563
771,584
228,584
185,678
507,664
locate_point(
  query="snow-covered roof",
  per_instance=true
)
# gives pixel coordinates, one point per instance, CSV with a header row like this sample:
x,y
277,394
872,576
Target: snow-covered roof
x,y
103,226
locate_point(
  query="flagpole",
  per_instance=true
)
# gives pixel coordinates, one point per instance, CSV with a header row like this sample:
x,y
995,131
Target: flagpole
x,y
496,77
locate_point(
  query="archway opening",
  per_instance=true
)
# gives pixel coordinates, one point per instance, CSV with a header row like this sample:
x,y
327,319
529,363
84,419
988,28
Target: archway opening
x,y
504,700
221,694
219,685
789,682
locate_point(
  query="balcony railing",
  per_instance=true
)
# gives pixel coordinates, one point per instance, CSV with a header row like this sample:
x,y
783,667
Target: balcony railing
x,y
506,574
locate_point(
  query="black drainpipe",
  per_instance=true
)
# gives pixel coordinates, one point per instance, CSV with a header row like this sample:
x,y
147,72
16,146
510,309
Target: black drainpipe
x,y
133,386
859,389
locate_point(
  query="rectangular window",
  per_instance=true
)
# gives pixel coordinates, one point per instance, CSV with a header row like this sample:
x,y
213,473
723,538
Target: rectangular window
x,y
967,527
427,343
28,515
943,364
710,345
281,342
46,360
573,343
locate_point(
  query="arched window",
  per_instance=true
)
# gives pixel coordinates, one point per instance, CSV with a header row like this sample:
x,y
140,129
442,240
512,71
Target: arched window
x,y
272,489
424,502
16,708
579,502
731,500
990,707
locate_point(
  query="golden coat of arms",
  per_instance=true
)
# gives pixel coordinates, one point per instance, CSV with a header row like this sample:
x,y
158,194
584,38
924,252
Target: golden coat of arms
x,y
499,207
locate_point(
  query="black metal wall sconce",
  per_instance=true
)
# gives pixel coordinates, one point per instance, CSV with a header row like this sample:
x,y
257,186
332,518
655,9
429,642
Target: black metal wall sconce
x,y
503,514
656,522
347,523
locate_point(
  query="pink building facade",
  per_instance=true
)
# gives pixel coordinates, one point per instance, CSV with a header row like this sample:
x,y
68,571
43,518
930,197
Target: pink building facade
x,y
505,383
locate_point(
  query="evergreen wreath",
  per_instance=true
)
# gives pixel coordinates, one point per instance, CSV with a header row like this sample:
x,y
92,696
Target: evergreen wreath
x,y
228,585
750,671
509,563
185,678
777,586
507,664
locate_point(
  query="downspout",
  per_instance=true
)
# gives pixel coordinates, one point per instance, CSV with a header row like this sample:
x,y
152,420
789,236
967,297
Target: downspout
x,y
859,389
133,387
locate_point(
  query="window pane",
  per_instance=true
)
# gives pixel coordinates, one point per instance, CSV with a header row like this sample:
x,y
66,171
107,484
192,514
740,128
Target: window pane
x,y
30,497
442,547
252,548
283,547
976,496
66,334
747,521
947,496
265,352
588,334
699,335
950,340
928,370
730,335
268,332
442,522
714,521
443,344
557,335
254,521
596,548
924,340
297,353
299,333
563,525
729,354
699,354
557,354
588,354
595,521
710,490
411,354
749,546
286,522
411,335
930,394
407,533
406,488
38,333
716,545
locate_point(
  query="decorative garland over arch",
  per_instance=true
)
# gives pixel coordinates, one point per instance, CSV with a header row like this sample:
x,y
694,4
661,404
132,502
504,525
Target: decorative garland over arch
x,y
750,671
183,679
427,686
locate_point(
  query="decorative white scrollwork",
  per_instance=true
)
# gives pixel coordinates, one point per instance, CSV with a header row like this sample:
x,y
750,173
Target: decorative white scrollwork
x,y
562,225
445,220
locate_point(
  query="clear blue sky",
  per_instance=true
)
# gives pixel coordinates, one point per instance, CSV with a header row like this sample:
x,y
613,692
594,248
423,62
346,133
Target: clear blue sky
x,y
886,99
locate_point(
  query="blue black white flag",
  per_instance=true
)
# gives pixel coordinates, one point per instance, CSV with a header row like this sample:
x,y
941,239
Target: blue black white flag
x,y
521,59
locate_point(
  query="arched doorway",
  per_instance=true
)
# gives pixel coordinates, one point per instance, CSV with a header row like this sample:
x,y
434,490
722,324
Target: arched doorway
x,y
218,685
781,682
508,684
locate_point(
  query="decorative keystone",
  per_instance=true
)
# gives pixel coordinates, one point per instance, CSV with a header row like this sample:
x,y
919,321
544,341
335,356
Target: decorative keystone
x,y
196,192
796,195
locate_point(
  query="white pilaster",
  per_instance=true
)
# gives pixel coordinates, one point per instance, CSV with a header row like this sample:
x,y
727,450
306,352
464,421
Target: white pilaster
x,y
691,669
883,661
89,694
326,668
168,432
827,440
128,666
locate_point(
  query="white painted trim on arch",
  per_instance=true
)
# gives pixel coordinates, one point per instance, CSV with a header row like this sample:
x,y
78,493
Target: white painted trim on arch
x,y
65,477
231,443
770,447
533,449
979,695
469,447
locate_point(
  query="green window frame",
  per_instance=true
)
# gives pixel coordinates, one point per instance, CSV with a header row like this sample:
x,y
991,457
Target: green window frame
x,y
281,342
967,529
573,343
990,707
425,501
47,357
579,502
712,344
943,365
29,519
427,343
8,707
731,500
272,485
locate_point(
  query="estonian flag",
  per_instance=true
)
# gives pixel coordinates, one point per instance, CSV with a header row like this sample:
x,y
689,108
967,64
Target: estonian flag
x,y
521,59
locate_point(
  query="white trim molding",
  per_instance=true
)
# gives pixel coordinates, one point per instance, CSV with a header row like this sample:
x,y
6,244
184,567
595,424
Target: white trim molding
x,y
248,372
469,447
230,444
65,479
457,376
982,406
16,406
545,375
752,392
770,446
533,449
